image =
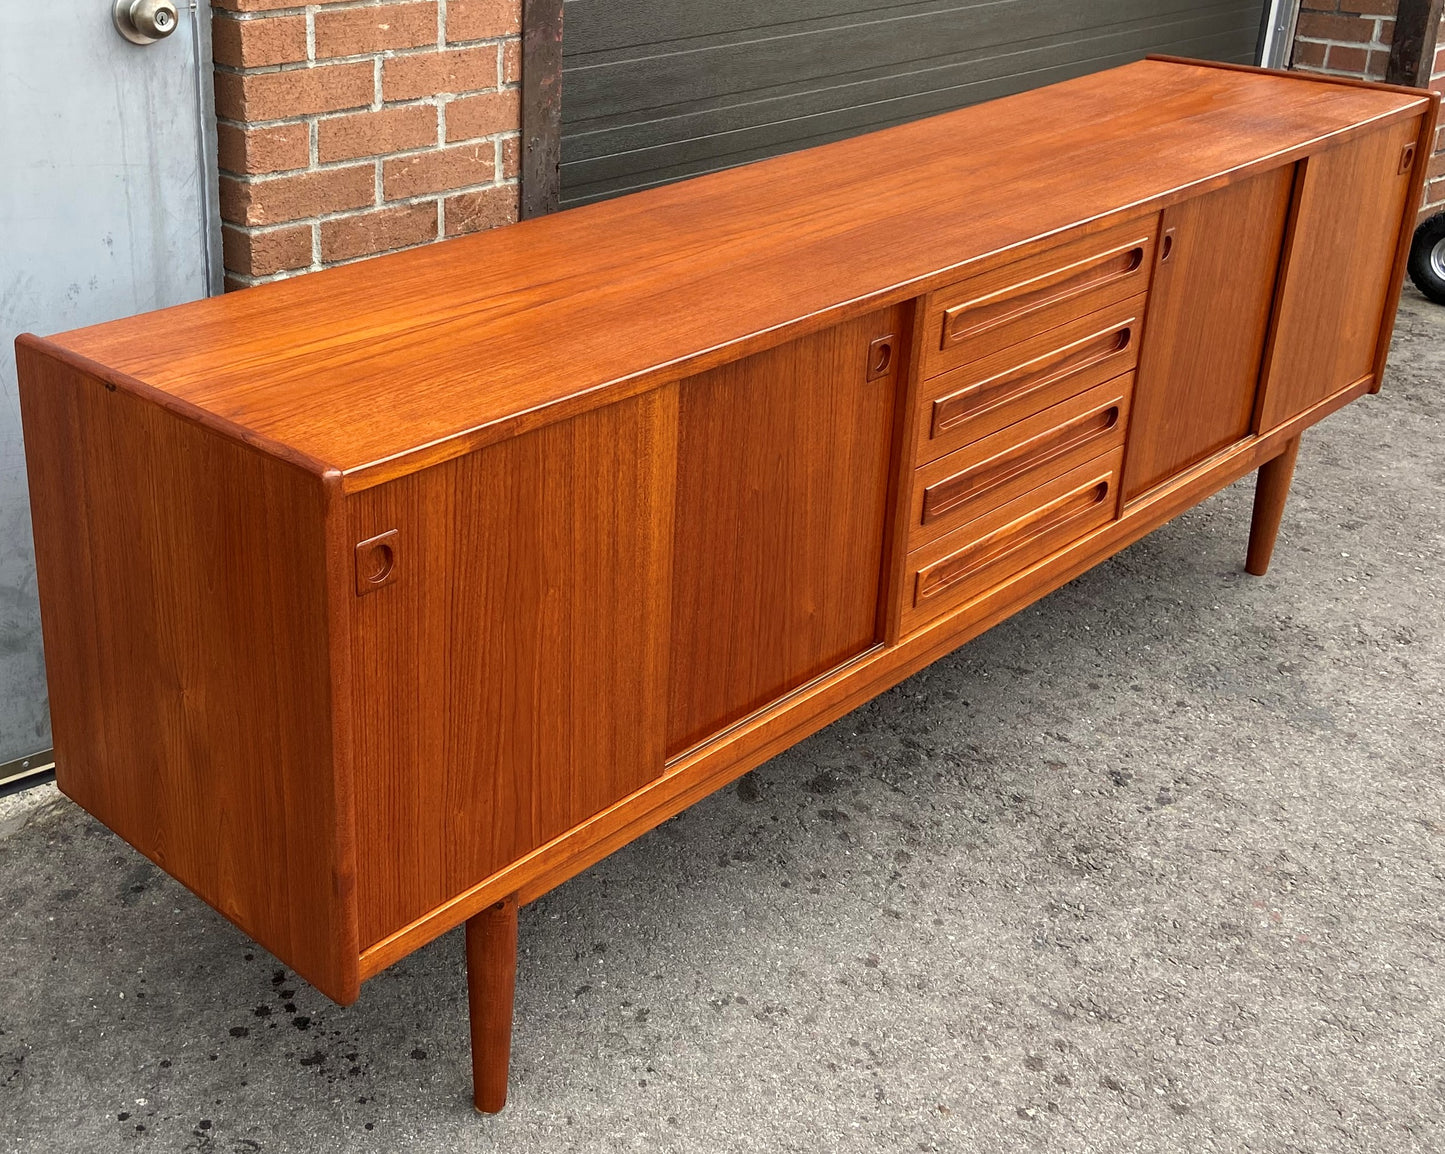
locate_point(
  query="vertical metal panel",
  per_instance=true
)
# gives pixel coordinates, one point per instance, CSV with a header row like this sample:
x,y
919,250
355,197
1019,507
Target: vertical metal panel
x,y
1276,33
655,90
106,208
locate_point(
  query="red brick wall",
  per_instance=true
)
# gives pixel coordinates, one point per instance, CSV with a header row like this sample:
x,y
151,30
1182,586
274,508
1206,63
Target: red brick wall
x,y
354,127
1352,38
348,129
1435,188
1349,37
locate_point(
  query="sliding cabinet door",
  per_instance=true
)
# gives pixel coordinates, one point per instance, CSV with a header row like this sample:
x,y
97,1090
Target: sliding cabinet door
x,y
1338,269
782,487
1209,308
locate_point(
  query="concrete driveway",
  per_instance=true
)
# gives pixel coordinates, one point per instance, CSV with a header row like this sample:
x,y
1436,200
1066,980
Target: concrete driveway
x,y
1157,865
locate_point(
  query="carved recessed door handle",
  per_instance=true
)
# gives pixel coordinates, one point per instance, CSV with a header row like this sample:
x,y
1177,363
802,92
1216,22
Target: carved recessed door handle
x,y
880,356
376,562
1166,245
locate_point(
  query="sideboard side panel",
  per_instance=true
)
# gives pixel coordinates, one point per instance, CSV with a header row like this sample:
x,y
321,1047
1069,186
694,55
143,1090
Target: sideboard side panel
x,y
1339,266
510,675
184,605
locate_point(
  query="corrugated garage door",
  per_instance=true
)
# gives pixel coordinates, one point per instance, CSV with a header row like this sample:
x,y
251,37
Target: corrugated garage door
x,y
655,90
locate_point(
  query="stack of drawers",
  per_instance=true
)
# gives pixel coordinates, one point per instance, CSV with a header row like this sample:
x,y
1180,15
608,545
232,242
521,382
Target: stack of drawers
x,y
1028,372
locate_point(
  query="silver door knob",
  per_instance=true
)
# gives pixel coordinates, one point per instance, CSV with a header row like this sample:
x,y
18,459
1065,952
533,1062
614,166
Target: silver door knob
x,y
144,21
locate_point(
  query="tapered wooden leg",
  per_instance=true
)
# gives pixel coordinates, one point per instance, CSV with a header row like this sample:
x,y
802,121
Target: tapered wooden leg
x,y
491,982
1270,493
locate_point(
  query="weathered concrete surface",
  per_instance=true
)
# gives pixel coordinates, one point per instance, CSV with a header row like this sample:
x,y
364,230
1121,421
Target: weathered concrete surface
x,y
1157,865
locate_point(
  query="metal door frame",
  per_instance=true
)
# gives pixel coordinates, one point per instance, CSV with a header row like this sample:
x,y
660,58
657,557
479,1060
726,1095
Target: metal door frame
x,y
1276,33
206,147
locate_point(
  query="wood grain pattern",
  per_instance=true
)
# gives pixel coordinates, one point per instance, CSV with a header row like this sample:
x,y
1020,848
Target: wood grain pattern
x,y
510,678
1424,162
898,522
1270,494
692,777
491,991
990,472
642,505
188,634
1335,79
991,548
962,406
1209,311
783,473
380,367
659,89
1339,266
989,311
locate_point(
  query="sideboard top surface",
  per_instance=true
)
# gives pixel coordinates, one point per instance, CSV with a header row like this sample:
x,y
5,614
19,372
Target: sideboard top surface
x,y
377,368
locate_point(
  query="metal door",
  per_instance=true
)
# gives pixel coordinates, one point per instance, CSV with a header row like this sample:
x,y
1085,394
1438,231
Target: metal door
x,y
655,90
107,184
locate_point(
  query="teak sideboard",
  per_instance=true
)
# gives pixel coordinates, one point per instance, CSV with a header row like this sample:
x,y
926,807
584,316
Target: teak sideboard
x,y
388,598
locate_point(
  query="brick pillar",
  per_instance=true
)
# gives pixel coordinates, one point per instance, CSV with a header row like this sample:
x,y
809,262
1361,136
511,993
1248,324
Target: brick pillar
x,y
1352,38
348,129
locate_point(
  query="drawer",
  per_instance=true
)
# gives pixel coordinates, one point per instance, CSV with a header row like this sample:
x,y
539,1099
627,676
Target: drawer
x,y
976,317
987,551
988,395
986,474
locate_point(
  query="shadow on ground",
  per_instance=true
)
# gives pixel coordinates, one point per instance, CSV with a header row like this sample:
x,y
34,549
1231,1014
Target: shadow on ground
x,y
1158,864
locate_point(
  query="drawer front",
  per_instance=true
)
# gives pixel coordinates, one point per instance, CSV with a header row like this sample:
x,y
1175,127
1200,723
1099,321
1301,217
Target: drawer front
x,y
968,483
976,317
972,402
987,551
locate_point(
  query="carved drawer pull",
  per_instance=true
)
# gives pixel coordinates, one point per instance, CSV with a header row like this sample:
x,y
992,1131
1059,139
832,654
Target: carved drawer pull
x,y
970,318
1035,374
1016,535
944,496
